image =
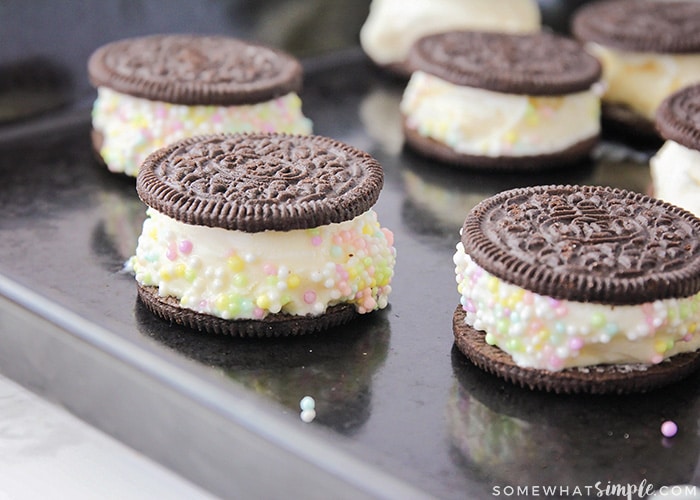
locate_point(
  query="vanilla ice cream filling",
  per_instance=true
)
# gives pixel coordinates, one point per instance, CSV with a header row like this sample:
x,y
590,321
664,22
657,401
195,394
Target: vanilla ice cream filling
x,y
542,332
133,127
481,122
675,172
238,275
641,80
392,26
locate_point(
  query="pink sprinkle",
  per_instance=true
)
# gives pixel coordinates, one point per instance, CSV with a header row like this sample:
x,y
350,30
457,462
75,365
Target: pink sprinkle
x,y
576,343
657,358
316,241
216,118
536,325
258,313
469,306
185,246
555,363
309,296
171,253
688,337
160,112
270,269
389,236
669,428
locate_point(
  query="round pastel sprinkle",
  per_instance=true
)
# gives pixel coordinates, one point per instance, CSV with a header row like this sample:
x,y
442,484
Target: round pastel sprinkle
x,y
307,403
308,415
669,428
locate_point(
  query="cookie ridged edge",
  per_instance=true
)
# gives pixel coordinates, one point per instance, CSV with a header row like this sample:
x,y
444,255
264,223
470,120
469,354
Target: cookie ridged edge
x,y
273,325
261,217
681,129
511,80
599,379
200,92
582,287
585,26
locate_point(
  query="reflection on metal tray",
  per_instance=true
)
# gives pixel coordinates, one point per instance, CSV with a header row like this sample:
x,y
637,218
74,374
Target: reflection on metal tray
x,y
399,412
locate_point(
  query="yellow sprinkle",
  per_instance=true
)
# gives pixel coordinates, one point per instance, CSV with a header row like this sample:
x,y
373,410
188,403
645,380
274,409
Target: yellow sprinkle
x,y
180,270
492,284
510,137
367,229
263,302
153,233
165,274
221,302
661,346
293,281
511,301
235,263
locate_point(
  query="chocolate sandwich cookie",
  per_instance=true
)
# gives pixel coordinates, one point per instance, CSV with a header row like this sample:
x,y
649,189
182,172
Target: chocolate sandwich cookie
x,y
501,102
392,26
154,90
262,234
648,50
675,168
579,289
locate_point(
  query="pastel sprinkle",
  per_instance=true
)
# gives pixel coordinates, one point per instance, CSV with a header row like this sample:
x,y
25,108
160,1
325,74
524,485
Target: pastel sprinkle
x,y
669,428
307,403
310,297
307,416
185,246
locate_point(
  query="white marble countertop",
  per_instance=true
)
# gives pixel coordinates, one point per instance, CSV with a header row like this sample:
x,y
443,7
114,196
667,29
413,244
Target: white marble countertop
x,y
45,452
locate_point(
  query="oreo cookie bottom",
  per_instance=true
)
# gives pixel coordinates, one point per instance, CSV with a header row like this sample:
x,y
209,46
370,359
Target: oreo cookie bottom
x,y
621,121
273,325
434,149
600,379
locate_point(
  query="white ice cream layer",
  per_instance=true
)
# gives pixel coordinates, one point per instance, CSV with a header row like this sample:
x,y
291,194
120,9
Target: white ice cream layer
x,y
543,332
485,123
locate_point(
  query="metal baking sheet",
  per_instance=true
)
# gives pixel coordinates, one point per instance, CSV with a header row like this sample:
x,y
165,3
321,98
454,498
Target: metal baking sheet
x,y
400,413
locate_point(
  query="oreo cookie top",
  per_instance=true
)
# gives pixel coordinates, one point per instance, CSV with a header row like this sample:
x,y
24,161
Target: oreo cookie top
x,y
532,64
640,25
678,117
195,70
259,182
586,244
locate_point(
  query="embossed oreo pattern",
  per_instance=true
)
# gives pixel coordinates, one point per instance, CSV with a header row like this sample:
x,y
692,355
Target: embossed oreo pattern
x,y
258,182
678,117
590,244
191,69
533,64
641,25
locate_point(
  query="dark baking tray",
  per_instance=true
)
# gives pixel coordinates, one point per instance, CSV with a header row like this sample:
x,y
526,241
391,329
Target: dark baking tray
x,y
400,413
